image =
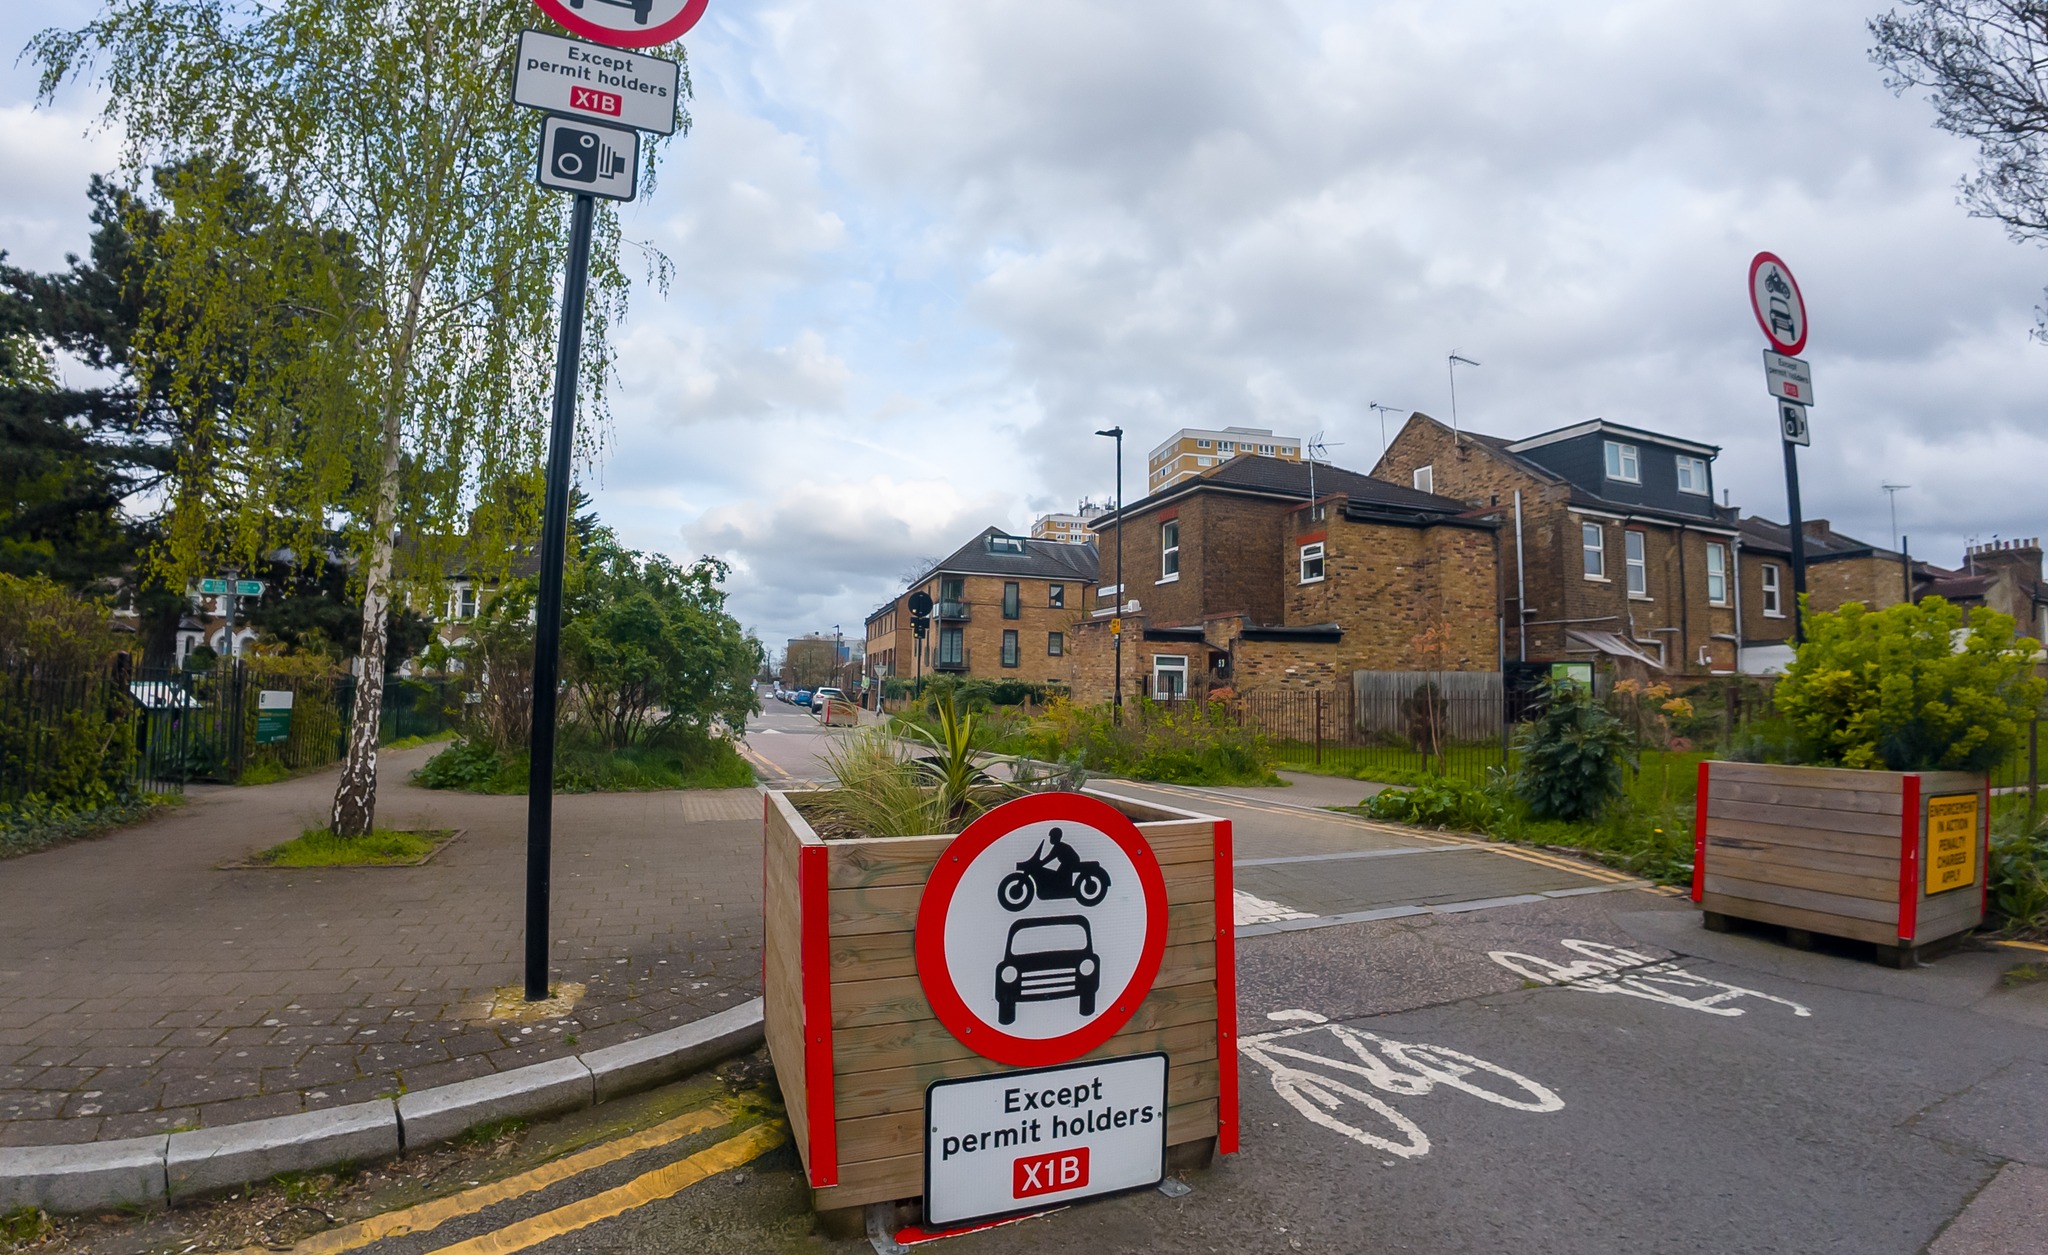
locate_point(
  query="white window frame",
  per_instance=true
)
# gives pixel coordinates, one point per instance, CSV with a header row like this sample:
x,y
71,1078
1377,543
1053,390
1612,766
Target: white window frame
x,y
1201,444
1164,665
1424,478
1311,552
1169,553
1695,469
1635,556
1768,580
1594,555
1624,462
1717,572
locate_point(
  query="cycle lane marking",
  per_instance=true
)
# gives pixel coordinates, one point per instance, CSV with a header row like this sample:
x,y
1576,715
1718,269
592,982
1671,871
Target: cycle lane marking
x,y
1318,1097
1602,968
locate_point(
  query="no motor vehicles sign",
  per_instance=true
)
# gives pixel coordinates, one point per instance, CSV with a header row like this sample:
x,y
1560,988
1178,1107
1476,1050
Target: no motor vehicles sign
x,y
626,23
1041,929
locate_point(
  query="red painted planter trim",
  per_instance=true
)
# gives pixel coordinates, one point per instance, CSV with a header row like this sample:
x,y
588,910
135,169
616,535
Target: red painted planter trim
x,y
816,965
1699,838
1226,994
1909,859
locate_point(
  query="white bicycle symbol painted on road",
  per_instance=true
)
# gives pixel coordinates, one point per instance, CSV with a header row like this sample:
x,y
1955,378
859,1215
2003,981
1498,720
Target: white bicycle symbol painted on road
x,y
1606,969
1408,1069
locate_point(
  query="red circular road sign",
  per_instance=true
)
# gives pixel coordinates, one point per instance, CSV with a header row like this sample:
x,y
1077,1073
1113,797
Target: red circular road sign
x,y
1041,929
1780,309
625,23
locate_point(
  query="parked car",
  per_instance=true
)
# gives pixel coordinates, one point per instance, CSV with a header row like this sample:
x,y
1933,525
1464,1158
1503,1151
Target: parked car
x,y
825,694
803,698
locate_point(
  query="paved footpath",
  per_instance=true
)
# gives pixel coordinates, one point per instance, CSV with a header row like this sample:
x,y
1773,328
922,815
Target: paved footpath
x,y
143,989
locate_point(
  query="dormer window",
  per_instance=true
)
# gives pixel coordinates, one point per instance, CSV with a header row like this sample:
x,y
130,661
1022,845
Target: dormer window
x,y
1623,463
1692,475
1424,478
1006,544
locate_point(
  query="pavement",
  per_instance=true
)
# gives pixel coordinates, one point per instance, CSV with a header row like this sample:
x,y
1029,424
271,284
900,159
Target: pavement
x,y
143,989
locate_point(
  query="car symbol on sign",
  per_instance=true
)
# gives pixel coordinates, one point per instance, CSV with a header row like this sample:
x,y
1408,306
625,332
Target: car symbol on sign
x,y
639,7
1046,960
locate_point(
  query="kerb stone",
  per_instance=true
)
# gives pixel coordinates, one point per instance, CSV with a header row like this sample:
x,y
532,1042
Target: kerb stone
x,y
540,1089
85,1176
211,1160
648,1061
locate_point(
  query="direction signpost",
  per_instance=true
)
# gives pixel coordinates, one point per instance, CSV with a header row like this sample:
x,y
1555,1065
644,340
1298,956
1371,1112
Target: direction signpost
x,y
1780,309
597,99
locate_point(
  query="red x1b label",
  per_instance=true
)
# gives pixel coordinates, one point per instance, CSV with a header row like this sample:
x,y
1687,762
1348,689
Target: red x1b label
x,y
1045,1174
593,101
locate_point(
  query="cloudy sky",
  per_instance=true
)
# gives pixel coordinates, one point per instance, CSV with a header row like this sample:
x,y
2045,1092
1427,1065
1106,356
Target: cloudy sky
x,y
923,250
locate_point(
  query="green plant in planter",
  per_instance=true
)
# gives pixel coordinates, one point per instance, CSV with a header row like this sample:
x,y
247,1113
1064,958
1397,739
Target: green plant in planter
x,y
1911,687
954,767
1573,755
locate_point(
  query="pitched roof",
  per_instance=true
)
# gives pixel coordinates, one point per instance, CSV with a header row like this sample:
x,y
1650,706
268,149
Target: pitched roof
x,y
1763,534
1581,497
1038,559
1275,477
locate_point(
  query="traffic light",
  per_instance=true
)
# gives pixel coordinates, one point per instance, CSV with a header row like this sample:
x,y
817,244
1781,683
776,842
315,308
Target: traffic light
x,y
920,613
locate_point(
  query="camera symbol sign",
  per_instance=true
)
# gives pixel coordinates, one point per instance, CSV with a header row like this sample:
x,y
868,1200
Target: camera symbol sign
x,y
1041,929
579,156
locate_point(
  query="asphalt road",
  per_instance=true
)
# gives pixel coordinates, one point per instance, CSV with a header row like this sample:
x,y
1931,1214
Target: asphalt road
x,y
1587,1072
785,745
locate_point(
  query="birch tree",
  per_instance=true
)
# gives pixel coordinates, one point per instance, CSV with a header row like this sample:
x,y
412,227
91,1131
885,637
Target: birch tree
x,y
428,331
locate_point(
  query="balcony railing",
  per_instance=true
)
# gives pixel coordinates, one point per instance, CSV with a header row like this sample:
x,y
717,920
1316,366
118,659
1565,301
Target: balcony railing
x,y
954,610
944,663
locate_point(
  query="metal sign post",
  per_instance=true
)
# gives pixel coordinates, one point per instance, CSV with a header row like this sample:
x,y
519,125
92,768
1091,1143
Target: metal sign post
x,y
590,159
1780,309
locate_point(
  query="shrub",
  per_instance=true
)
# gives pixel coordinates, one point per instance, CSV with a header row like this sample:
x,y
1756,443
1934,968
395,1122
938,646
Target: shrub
x,y
1911,688
2019,872
1441,802
1572,755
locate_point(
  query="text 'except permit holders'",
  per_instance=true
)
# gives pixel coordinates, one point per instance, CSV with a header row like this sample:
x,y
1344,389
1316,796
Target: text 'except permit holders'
x,y
1020,1140
591,81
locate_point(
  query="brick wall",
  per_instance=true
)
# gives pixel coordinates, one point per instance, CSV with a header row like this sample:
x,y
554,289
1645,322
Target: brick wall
x,y
1876,582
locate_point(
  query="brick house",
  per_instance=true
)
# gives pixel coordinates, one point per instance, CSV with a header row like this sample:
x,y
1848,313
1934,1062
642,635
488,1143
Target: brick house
x,y
2006,576
1245,577
1612,547
1839,569
1003,607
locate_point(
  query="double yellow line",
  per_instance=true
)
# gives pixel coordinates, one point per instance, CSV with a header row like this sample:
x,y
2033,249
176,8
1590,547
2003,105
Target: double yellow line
x,y
649,1187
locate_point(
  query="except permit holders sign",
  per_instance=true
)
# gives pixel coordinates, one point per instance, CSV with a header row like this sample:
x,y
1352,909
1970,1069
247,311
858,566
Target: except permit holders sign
x,y
1021,1141
592,81
583,157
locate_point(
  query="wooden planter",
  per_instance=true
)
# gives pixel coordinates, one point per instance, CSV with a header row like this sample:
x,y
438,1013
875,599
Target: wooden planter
x,y
855,1043
1894,858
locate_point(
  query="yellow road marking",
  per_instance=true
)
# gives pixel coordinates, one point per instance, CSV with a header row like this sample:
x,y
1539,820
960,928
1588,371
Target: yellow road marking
x,y
650,1187
763,759
2025,945
441,1210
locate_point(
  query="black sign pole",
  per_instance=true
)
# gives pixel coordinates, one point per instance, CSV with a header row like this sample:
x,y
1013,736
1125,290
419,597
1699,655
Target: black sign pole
x,y
1798,541
547,631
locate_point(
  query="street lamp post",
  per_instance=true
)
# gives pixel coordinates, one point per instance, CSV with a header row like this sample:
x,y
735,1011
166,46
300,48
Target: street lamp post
x,y
1117,616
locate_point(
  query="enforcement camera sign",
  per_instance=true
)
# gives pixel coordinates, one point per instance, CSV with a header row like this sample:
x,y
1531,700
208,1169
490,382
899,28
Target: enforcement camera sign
x,y
1951,842
1026,1140
1041,929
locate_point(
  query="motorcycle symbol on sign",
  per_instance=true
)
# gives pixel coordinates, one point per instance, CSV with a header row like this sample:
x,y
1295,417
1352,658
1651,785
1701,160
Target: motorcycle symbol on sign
x,y
1054,870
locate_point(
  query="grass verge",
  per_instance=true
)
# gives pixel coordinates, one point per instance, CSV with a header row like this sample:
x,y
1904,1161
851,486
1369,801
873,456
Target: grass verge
x,y
384,847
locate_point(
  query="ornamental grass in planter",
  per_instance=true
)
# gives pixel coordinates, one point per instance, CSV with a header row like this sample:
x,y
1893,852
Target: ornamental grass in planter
x,y
1882,833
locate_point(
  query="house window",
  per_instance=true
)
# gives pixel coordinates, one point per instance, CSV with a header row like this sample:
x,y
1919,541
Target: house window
x,y
1169,676
1638,565
1169,550
1010,647
1774,607
1006,544
1312,563
1717,573
1012,603
1594,541
1055,644
1056,596
1201,444
951,649
1424,479
1225,446
463,604
1692,476
1623,464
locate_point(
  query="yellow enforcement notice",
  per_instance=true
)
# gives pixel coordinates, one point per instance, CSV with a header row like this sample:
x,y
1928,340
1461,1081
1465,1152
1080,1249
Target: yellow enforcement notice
x,y
1951,842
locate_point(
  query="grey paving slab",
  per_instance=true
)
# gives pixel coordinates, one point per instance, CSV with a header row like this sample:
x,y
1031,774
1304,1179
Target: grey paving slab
x,y
142,989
